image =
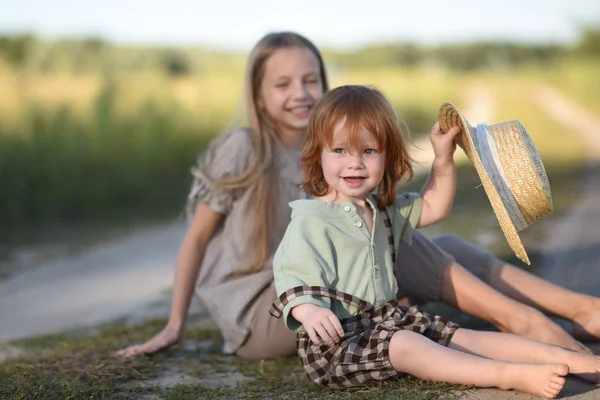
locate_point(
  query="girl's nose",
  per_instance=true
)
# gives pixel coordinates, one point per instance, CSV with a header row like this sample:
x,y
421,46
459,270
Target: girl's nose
x,y
300,90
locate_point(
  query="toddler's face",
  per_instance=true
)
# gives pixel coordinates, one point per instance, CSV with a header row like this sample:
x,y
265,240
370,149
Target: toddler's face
x,y
353,173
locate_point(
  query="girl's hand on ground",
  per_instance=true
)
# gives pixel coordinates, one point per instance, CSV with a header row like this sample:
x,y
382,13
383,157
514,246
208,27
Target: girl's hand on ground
x,y
323,327
443,144
161,341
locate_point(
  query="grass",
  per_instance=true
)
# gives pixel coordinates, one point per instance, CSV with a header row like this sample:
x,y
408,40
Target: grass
x,y
579,79
113,167
416,94
80,366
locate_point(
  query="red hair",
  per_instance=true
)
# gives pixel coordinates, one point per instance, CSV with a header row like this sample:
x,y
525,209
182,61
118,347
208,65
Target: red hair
x,y
361,107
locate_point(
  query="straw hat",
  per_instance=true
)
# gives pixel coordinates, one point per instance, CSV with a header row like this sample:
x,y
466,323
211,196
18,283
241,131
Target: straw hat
x,y
510,169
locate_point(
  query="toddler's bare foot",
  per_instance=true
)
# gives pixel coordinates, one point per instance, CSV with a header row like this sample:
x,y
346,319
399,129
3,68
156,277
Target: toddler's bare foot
x,y
546,380
539,327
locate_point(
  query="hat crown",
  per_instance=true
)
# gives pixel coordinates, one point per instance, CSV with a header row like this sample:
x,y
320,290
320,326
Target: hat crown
x,y
515,168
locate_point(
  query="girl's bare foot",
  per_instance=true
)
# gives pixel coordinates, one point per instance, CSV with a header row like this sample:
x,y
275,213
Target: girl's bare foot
x,y
584,366
546,380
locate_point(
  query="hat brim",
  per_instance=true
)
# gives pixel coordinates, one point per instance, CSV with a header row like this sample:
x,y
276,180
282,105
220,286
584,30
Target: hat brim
x,y
448,117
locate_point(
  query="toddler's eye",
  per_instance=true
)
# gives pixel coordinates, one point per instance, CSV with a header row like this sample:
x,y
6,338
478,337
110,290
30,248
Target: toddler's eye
x,y
282,85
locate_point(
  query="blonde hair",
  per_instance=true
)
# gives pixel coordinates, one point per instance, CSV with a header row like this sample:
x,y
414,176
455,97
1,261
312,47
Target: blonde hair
x,y
261,177
361,107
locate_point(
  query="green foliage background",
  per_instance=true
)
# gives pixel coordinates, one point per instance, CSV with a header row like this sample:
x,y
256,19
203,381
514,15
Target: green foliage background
x,y
95,131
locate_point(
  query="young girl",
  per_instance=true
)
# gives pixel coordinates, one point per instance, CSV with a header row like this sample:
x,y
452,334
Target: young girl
x,y
334,268
239,209
239,201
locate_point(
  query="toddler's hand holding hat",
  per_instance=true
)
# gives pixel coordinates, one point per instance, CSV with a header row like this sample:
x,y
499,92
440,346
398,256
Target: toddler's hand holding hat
x,y
444,144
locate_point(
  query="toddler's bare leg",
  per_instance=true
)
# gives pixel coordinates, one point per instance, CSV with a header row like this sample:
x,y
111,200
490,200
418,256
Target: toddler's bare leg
x,y
513,348
415,354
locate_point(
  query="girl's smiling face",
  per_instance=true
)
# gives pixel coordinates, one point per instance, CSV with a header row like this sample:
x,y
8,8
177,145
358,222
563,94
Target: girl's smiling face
x,y
352,173
290,89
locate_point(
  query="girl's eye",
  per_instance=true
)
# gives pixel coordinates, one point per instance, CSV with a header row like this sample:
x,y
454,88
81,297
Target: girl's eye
x,y
338,151
311,81
282,85
370,151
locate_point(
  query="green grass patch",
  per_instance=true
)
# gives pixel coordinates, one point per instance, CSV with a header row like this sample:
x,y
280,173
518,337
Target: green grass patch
x,y
80,366
578,78
112,167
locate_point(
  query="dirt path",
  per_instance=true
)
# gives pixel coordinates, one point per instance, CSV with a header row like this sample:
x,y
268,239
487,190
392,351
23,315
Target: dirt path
x,y
572,251
122,277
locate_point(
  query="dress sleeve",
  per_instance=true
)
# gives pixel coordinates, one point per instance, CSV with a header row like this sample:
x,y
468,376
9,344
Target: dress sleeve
x,y
407,212
228,156
294,265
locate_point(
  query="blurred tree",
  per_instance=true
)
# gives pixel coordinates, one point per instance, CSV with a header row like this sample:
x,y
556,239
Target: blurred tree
x,y
589,42
175,63
15,49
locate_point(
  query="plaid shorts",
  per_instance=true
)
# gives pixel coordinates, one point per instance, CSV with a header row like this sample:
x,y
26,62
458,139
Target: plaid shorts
x,y
363,352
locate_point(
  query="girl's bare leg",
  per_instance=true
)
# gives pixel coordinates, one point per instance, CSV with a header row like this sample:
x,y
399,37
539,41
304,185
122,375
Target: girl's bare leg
x,y
471,295
415,354
522,286
514,348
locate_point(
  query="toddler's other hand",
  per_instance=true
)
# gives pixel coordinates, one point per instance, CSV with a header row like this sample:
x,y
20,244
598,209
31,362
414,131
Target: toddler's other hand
x,y
321,324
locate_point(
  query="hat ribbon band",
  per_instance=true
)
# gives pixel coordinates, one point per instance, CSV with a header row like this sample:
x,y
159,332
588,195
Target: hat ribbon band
x,y
488,154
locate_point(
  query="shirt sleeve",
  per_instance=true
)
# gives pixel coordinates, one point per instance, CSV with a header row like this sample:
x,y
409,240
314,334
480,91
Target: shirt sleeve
x,y
228,156
294,265
407,212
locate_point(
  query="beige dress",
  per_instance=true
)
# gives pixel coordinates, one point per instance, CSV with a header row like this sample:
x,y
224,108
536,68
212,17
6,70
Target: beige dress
x,y
230,301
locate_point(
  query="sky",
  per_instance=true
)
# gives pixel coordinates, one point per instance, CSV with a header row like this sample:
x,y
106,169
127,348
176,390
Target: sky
x,y
238,24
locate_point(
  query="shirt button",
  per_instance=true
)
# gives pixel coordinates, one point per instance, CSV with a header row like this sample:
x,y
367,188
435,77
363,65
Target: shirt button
x,y
347,208
358,224
377,268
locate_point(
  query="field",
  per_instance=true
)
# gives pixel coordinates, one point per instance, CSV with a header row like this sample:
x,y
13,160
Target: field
x,y
82,148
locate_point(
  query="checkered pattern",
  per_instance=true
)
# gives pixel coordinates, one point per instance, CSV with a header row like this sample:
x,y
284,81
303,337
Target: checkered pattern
x,y
388,226
363,354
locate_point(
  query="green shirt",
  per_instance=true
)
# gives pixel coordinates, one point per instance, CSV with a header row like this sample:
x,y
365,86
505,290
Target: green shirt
x,y
327,244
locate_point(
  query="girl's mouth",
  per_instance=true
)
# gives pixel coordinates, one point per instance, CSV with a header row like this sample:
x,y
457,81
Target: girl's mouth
x,y
301,112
